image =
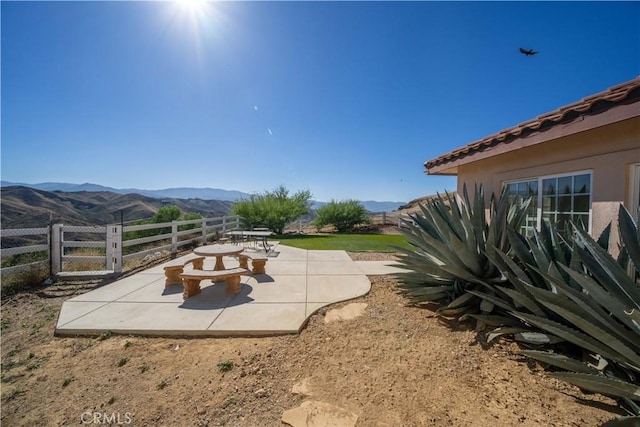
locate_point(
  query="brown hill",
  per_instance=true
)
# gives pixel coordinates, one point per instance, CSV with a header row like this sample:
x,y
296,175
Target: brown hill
x,y
24,207
414,205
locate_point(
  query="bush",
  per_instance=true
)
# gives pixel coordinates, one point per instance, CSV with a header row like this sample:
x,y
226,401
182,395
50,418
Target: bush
x,y
273,209
344,215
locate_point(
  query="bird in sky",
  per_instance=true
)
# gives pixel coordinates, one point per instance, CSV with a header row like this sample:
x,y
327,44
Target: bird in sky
x,y
528,52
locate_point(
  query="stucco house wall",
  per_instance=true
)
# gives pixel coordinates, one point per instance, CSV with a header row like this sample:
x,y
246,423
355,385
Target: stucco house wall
x,y
607,152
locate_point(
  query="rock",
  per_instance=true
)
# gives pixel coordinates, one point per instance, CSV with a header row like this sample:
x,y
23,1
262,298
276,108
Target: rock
x,y
260,393
319,414
348,312
303,387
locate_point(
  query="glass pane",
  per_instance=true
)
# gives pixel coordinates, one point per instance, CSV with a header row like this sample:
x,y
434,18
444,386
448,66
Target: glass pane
x,y
581,184
549,186
533,188
581,204
548,204
512,189
564,185
564,203
522,190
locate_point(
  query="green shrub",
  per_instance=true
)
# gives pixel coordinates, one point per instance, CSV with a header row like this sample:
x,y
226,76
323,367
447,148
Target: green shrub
x,y
225,366
344,215
273,209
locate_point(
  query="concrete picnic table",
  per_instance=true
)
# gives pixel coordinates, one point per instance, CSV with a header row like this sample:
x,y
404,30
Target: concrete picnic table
x,y
218,251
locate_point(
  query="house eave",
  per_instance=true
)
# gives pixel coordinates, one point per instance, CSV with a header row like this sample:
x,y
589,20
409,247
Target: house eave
x,y
581,123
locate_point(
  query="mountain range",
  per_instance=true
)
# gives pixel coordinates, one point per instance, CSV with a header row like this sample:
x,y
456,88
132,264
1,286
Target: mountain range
x,y
24,207
180,193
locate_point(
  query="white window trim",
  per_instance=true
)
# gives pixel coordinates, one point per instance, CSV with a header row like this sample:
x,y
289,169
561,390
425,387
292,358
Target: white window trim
x,y
634,183
560,175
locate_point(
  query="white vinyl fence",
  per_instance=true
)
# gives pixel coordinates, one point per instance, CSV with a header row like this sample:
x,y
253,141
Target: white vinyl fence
x,y
64,245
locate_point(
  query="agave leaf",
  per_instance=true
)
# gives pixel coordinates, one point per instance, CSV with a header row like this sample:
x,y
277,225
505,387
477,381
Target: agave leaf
x,y
492,299
603,240
452,312
507,264
630,235
605,299
503,331
576,337
624,353
478,219
523,300
495,320
600,384
463,274
587,317
605,311
537,338
486,306
560,361
467,258
631,421
519,246
557,244
463,300
542,258
606,270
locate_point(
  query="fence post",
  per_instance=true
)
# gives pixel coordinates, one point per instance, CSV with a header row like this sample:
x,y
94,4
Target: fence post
x,y
174,238
114,248
224,224
204,231
56,248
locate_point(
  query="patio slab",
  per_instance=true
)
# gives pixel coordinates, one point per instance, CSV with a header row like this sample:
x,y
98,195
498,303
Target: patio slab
x,y
297,284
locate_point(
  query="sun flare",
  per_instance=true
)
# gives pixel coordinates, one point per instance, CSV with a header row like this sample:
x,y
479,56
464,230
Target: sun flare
x,y
192,6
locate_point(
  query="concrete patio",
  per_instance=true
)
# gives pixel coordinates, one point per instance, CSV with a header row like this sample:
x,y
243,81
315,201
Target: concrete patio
x,y
298,283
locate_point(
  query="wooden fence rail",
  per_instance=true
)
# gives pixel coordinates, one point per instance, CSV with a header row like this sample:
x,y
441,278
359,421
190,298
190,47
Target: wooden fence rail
x,y
66,246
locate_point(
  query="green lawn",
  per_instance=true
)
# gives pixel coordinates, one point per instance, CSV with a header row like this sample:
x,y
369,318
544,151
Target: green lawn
x,y
346,242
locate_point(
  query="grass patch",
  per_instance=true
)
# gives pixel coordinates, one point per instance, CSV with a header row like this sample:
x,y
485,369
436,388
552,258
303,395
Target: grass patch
x,y
346,242
225,366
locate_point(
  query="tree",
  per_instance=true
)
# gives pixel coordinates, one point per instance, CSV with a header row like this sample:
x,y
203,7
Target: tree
x,y
166,214
273,209
344,215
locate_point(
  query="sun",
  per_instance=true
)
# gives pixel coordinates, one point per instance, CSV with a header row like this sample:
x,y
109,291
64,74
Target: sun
x,y
192,7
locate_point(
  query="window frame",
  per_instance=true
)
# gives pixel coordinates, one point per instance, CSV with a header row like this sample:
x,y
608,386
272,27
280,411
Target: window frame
x,y
540,179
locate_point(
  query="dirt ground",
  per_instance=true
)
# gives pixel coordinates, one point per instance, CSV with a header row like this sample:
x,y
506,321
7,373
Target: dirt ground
x,y
393,366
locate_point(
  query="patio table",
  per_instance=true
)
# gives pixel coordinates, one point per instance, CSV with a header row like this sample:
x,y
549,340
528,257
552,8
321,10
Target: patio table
x,y
258,235
218,251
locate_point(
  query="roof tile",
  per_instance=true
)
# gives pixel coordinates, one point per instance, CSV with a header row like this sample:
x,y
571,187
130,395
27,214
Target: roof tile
x,y
624,92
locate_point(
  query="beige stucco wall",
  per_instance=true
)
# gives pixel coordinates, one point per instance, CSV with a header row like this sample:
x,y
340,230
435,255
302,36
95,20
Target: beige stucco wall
x,y
607,152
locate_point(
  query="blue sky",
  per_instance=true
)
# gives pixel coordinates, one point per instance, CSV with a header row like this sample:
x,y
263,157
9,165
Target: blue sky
x,y
344,99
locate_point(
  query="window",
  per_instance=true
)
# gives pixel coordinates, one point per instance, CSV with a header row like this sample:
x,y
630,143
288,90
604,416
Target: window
x,y
634,189
518,192
556,199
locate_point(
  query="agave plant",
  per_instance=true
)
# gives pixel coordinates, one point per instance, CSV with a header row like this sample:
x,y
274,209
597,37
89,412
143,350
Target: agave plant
x,y
586,299
452,242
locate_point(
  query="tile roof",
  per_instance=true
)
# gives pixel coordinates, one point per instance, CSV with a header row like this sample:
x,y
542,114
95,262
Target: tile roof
x,y
625,93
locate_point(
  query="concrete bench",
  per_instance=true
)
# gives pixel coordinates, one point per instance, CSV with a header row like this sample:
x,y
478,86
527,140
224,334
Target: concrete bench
x,y
257,262
191,280
173,269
